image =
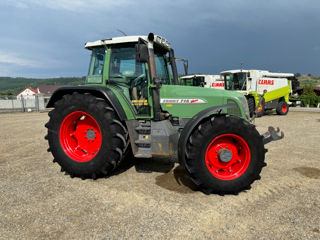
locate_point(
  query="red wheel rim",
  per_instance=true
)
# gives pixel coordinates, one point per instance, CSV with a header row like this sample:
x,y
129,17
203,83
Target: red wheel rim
x,y
80,136
284,108
259,108
238,153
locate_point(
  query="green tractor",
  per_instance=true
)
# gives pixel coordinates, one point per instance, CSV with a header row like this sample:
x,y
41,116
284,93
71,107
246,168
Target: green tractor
x,y
132,102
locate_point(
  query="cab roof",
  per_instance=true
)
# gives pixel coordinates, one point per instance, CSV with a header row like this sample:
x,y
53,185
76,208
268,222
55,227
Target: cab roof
x,y
161,41
262,72
235,71
193,75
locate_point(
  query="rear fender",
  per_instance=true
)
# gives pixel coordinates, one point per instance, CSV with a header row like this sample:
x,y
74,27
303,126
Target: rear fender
x,y
101,92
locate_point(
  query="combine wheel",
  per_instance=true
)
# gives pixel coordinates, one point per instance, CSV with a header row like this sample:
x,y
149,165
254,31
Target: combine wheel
x,y
260,110
224,154
282,108
85,136
251,106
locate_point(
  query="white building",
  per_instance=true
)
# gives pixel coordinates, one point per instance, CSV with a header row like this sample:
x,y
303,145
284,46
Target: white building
x,y
27,93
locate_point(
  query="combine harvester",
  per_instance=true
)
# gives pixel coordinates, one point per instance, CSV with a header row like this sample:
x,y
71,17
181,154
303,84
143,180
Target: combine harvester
x,y
275,88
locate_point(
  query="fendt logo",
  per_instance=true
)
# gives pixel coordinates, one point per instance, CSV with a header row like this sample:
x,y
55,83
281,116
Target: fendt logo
x,y
181,101
217,85
266,82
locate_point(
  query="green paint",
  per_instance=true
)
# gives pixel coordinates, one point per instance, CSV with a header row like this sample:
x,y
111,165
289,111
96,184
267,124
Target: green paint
x,y
213,97
149,91
129,110
106,67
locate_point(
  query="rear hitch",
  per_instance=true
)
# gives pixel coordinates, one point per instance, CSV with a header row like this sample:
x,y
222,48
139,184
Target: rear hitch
x,y
272,135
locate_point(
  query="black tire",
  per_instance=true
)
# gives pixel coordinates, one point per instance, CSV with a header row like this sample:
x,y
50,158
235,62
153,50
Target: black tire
x,y
251,105
282,108
261,109
201,138
114,137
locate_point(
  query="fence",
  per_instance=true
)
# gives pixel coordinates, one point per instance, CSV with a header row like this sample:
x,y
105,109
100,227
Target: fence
x,y
13,104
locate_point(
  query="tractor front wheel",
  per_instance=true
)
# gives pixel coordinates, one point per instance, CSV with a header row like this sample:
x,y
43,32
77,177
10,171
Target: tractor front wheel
x,y
86,136
224,154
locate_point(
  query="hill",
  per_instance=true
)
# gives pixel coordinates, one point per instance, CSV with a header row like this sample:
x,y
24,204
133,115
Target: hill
x,y
14,85
309,79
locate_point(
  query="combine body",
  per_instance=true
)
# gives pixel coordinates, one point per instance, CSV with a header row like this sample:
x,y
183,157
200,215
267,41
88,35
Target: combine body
x,y
131,104
200,80
274,87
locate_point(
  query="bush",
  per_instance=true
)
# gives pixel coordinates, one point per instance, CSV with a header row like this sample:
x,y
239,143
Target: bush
x,y
309,97
8,92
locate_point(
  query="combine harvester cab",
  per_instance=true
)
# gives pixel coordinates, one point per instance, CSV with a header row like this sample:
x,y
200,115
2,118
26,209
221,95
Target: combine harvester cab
x,y
274,88
200,80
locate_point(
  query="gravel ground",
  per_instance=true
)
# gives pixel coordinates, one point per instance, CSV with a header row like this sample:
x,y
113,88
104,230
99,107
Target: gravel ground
x,y
37,201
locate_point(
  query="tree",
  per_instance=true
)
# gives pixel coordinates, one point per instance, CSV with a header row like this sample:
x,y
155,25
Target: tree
x,y
309,97
8,92
297,75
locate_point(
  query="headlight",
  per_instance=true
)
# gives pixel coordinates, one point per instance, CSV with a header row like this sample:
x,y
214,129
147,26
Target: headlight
x,y
237,111
245,106
234,111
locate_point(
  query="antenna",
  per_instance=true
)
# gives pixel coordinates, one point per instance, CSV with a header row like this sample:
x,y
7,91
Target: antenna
x,y
124,34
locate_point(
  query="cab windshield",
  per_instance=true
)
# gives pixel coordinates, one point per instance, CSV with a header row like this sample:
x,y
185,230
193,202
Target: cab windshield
x,y
235,81
125,69
194,81
123,66
161,67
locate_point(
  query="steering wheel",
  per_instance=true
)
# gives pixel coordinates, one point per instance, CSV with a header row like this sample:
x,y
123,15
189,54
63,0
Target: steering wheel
x,y
138,80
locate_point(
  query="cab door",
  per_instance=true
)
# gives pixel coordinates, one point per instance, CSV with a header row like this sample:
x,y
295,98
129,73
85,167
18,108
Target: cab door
x,y
131,79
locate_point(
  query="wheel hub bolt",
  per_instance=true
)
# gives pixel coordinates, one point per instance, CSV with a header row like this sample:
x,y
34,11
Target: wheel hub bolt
x,y
91,135
225,155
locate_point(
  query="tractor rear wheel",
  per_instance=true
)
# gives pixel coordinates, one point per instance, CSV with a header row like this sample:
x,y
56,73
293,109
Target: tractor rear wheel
x,y
225,154
86,136
282,108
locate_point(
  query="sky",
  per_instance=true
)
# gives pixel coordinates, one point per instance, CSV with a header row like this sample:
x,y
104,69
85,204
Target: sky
x,y
45,38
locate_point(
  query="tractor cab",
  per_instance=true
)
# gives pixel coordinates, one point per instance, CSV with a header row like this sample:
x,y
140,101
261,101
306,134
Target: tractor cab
x,y
123,62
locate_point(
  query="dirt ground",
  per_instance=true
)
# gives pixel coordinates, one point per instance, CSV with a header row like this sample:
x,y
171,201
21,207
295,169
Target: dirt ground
x,y
37,201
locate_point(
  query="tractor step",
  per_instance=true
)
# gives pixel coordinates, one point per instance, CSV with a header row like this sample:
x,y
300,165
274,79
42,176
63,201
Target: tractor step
x,y
143,130
143,140
143,143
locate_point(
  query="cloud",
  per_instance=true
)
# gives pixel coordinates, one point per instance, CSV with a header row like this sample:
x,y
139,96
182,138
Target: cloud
x,y
8,58
72,5
13,59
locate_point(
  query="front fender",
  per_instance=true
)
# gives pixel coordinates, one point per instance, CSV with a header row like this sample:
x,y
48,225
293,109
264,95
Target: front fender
x,y
192,123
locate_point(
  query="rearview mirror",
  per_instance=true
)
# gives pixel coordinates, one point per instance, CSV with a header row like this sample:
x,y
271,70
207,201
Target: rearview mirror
x,y
142,54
